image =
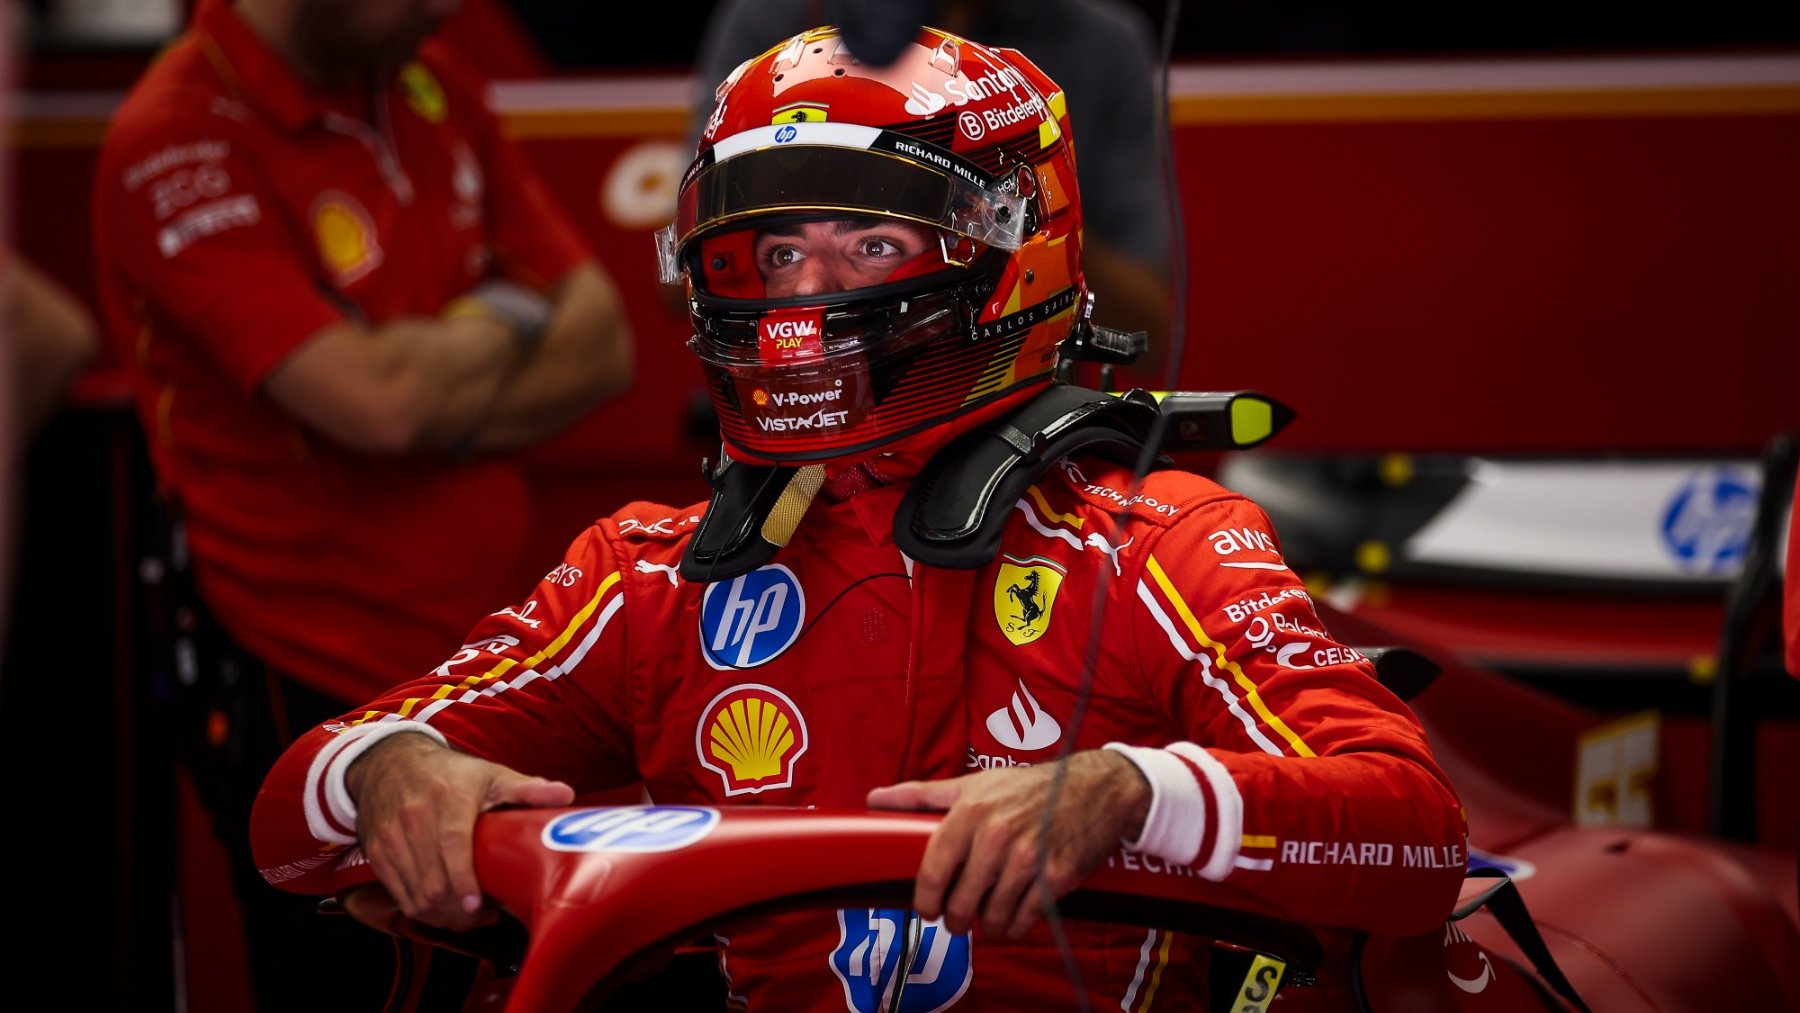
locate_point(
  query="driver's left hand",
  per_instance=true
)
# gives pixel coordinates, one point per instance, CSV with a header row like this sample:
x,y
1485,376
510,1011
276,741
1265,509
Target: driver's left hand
x,y
987,850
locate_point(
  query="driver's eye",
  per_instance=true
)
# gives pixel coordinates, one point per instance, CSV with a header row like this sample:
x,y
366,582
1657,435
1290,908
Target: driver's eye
x,y
878,247
783,256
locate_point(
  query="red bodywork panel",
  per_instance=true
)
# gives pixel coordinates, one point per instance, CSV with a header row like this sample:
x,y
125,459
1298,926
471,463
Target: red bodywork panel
x,y
1636,920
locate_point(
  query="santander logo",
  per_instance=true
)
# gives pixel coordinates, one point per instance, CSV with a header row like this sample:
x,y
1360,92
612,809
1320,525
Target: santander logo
x,y
1023,724
924,102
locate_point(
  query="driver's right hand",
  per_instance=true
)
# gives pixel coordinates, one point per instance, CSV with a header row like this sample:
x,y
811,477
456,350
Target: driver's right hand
x,y
416,806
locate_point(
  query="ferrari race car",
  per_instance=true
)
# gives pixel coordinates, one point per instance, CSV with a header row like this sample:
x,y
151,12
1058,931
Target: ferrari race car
x,y
1553,915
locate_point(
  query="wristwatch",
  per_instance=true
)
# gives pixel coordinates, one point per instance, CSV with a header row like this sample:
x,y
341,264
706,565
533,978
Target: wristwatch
x,y
525,311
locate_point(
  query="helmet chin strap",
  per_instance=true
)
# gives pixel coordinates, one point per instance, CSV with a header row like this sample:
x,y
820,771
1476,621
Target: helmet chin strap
x,y
784,517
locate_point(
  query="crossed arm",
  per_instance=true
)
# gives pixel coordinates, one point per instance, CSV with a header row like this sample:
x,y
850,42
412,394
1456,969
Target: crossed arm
x,y
465,381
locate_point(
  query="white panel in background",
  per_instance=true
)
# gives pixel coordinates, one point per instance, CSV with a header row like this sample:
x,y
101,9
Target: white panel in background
x,y
1610,520
1615,771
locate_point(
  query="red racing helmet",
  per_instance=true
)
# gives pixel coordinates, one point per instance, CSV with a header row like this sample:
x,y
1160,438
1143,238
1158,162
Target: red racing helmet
x,y
873,252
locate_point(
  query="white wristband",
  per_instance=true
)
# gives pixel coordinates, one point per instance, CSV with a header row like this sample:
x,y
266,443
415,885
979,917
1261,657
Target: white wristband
x,y
337,797
1177,817
1227,813
1183,808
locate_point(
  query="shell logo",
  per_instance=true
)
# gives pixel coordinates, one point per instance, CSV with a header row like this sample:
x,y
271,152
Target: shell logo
x,y
751,735
345,235
760,396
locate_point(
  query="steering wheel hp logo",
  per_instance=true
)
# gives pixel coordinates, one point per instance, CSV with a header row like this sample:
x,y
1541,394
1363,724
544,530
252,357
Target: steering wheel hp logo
x,y
632,828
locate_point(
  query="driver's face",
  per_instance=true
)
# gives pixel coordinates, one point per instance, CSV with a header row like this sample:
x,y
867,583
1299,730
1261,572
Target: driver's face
x,y
817,258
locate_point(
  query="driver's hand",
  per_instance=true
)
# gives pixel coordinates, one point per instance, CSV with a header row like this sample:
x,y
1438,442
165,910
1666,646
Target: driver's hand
x,y
986,851
416,804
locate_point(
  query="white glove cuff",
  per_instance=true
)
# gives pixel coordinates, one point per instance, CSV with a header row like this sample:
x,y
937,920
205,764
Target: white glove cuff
x,y
1177,816
1191,794
331,812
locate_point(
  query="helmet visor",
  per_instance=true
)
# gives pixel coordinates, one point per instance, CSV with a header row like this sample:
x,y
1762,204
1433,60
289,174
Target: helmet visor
x,y
925,185
818,258
792,377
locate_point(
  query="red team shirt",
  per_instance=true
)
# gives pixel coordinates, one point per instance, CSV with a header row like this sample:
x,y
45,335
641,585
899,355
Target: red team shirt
x,y
842,665
1791,586
237,213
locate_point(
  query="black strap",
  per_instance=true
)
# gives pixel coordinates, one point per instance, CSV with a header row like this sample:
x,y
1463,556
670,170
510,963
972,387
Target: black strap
x,y
728,541
953,512
948,518
1508,908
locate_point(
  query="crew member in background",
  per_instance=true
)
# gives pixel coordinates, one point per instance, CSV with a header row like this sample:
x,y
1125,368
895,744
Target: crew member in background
x,y
50,336
47,337
1790,622
343,298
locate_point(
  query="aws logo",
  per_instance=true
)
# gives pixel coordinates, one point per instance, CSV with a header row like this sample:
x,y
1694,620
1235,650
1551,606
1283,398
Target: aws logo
x,y
345,236
1463,954
1024,594
751,735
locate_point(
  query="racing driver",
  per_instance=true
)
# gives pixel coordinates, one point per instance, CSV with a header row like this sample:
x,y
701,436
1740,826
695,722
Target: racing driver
x,y
881,265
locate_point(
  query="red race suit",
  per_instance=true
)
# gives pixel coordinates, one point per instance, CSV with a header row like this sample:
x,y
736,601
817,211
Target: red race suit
x,y
238,212
842,665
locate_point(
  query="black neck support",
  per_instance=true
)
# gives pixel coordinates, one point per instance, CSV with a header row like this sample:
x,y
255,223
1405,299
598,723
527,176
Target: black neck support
x,y
952,514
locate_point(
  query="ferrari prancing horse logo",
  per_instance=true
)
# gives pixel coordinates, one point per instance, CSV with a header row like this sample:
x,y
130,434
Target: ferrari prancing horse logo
x,y
1024,594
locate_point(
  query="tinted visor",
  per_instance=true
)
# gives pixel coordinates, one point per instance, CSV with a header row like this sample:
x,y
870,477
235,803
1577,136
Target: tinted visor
x,y
824,178
820,258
